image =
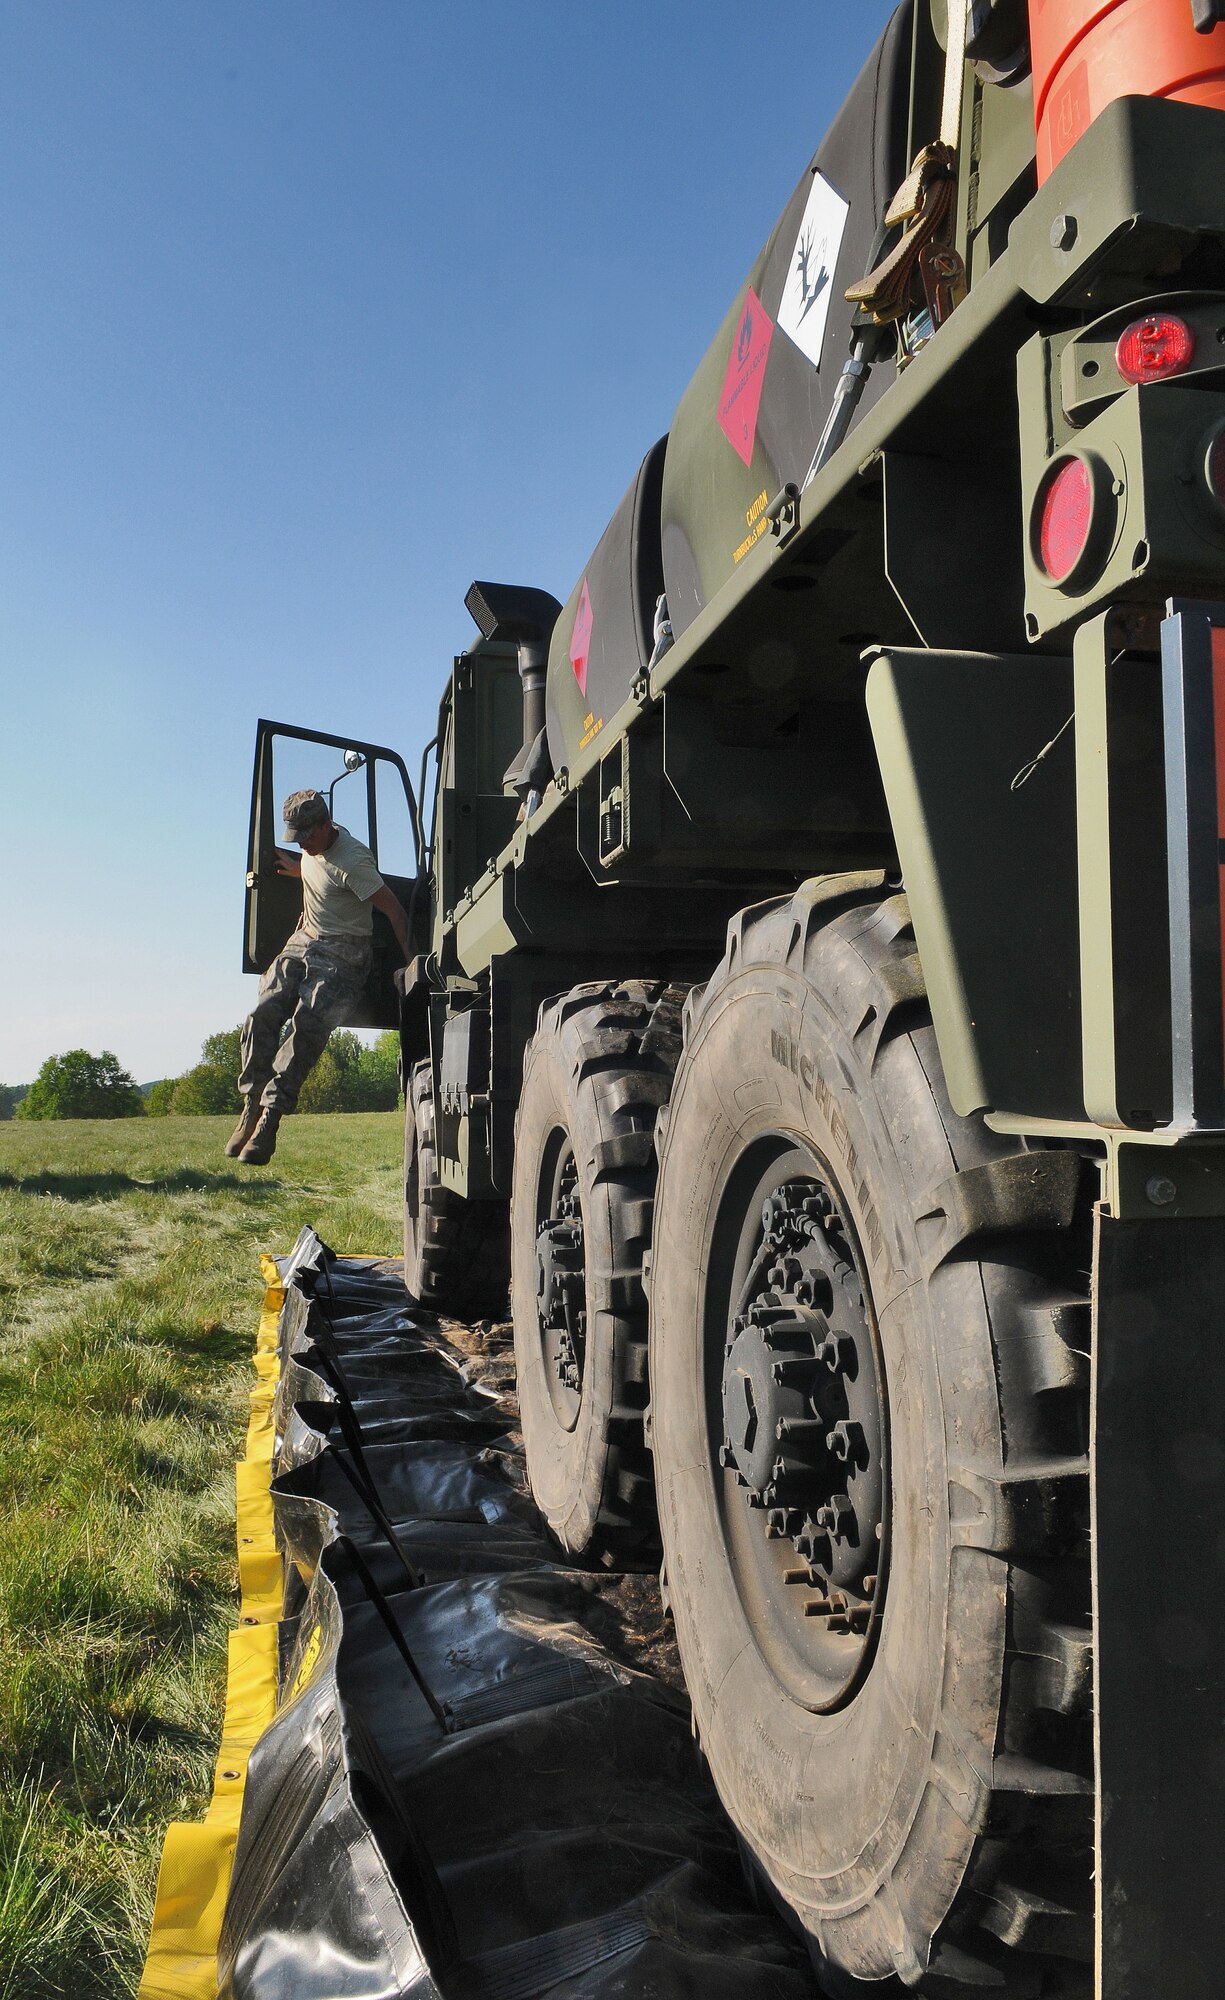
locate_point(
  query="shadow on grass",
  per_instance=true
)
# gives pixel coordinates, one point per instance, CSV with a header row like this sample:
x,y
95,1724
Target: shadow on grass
x,y
203,1347
166,1473
149,1401
142,1725
97,1187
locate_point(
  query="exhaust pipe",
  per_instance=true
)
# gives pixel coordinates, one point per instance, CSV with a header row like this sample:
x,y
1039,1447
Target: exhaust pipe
x,y
524,617
532,767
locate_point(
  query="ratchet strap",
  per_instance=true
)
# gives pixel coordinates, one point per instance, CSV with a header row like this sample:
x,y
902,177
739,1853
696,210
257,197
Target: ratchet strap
x,y
923,209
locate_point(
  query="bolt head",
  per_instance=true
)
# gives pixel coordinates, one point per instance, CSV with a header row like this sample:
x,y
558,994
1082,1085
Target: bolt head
x,y
1064,231
1161,1190
837,1517
837,1352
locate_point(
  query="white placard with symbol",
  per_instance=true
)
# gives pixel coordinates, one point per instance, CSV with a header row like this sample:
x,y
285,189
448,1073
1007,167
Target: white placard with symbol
x,y
809,284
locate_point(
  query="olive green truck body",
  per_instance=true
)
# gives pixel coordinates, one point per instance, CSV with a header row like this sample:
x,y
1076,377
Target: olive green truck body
x,y
876,668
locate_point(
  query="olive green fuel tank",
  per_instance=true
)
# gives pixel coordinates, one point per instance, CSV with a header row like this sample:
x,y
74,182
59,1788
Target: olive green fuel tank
x,y
752,416
603,639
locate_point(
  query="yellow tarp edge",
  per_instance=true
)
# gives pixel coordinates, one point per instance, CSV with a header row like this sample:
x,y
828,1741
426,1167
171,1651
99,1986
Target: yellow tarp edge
x,y
194,1878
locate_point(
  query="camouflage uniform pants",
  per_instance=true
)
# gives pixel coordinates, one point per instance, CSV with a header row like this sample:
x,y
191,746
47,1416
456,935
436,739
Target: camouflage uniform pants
x,y
313,984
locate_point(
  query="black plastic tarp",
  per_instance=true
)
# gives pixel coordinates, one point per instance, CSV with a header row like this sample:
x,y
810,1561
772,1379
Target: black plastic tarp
x,y
480,1783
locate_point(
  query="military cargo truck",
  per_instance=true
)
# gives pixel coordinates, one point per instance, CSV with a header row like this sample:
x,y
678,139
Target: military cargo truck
x,y
817,1013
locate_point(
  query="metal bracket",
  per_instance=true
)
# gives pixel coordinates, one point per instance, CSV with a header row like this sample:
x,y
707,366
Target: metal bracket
x,y
783,513
1193,689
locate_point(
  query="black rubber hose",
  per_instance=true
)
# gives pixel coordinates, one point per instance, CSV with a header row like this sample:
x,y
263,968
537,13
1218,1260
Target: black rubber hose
x,y
867,342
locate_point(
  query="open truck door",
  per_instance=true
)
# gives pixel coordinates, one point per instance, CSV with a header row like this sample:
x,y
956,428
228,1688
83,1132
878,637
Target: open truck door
x,y
369,792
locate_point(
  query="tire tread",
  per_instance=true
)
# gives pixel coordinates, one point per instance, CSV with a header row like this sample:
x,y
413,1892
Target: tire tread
x,y
456,1252
620,1041
1022,1917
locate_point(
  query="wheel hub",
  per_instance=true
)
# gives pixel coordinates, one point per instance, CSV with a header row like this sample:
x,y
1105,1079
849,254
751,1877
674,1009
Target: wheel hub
x,y
775,1438
804,1428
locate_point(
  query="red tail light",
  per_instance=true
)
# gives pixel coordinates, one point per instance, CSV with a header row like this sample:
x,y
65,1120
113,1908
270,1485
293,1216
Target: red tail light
x,y
1152,348
1065,516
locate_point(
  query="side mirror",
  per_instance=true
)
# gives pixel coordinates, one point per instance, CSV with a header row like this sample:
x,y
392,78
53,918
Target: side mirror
x,y
354,761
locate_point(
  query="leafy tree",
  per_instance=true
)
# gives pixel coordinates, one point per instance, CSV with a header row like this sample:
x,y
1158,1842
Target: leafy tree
x,y
351,1077
374,1085
210,1089
324,1089
11,1095
348,1077
346,1047
330,1085
206,1091
80,1085
224,1051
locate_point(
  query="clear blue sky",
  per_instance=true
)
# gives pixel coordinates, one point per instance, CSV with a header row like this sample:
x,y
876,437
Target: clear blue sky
x,y
312,313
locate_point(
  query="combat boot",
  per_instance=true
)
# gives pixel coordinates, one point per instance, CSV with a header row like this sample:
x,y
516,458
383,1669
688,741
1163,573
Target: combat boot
x,y
262,1144
244,1128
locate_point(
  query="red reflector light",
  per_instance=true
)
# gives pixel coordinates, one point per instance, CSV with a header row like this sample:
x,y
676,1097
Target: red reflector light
x,y
1154,347
1066,514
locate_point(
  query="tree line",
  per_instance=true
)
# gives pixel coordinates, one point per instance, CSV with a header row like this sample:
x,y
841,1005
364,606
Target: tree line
x,y
348,1077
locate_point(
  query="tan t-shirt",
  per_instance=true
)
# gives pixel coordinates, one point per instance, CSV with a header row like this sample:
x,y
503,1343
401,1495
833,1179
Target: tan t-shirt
x,y
336,889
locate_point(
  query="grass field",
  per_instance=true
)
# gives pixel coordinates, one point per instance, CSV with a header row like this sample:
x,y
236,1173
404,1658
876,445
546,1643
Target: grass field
x,y
129,1295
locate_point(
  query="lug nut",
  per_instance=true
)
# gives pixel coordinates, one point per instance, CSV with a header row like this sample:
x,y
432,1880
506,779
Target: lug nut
x,y
837,1517
837,1352
811,1542
797,1427
796,1370
846,1441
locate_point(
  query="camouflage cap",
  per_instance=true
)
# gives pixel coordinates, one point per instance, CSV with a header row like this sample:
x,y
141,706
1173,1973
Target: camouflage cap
x,y
301,811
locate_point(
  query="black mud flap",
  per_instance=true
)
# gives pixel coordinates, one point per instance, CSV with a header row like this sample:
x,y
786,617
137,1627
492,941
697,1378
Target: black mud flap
x,y
479,1784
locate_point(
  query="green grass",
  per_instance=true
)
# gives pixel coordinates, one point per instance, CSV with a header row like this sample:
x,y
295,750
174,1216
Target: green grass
x,y
129,1295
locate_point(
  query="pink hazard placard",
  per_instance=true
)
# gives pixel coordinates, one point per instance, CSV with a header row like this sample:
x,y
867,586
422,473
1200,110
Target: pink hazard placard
x,y
746,377
580,638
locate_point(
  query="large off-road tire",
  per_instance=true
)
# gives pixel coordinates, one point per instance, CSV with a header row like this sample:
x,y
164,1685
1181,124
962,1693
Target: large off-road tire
x,y
456,1252
869,1372
596,1073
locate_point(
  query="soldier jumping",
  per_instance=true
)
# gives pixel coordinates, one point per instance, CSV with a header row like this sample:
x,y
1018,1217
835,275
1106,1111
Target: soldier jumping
x,y
317,979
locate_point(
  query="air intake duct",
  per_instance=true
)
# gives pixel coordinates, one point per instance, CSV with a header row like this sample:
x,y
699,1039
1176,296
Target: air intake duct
x,y
516,614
